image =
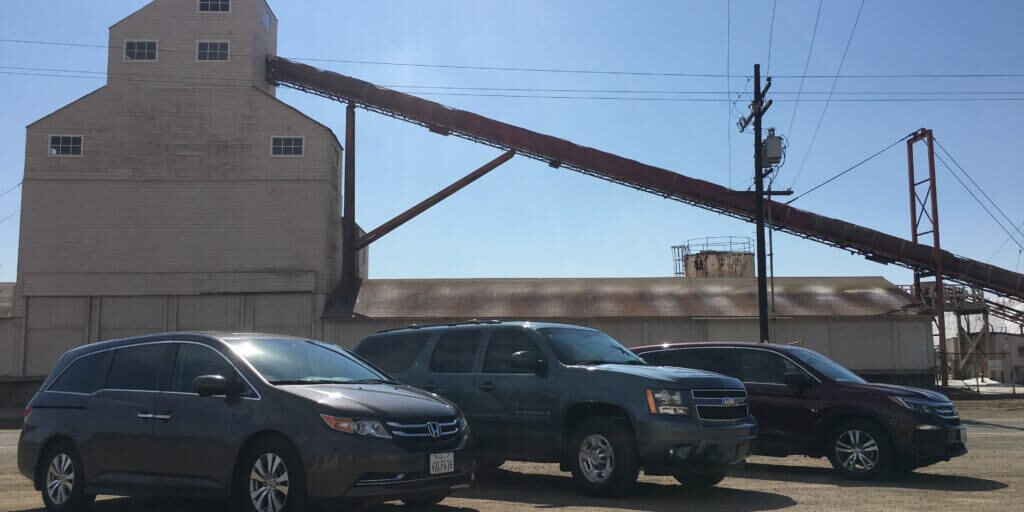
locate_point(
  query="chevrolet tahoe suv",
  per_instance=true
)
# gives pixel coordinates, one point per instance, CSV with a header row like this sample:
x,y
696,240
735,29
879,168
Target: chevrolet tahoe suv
x,y
560,393
807,404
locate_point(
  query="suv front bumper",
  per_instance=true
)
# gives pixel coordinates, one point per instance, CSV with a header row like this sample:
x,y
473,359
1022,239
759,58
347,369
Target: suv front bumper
x,y
685,445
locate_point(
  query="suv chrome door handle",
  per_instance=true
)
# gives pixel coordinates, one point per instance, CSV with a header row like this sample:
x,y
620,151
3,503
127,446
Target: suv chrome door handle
x,y
487,386
145,416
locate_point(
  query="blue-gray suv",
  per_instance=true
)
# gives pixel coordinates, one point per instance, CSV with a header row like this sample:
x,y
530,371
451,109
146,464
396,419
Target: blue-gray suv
x,y
572,395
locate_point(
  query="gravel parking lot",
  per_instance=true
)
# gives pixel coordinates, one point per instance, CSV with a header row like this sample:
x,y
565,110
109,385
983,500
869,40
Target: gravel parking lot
x,y
989,478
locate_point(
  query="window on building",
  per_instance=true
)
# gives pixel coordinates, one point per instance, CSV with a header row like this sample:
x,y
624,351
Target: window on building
x,y
65,145
268,19
140,50
287,146
455,351
213,51
137,368
82,376
214,5
1020,351
504,343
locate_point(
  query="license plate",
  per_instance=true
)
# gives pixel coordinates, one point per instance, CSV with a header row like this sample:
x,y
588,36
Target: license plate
x,y
442,463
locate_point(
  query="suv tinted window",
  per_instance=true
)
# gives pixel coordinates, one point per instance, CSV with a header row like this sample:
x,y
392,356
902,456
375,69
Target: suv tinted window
x,y
137,367
455,351
83,376
394,353
504,343
196,360
718,360
763,367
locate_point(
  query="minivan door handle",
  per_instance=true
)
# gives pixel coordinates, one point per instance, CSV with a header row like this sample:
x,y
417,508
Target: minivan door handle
x,y
487,386
430,386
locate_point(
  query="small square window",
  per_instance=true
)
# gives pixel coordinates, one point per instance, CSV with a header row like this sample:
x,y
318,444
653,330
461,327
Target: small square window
x,y
213,51
65,145
214,5
287,146
140,50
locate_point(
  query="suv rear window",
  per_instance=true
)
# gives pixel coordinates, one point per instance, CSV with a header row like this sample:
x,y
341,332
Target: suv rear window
x,y
137,368
394,353
82,376
455,351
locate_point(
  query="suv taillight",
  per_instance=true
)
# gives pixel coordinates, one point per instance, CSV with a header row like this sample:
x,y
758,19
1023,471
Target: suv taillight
x,y
28,410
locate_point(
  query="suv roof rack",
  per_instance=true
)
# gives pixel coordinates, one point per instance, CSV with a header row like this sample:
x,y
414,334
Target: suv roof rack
x,y
472,321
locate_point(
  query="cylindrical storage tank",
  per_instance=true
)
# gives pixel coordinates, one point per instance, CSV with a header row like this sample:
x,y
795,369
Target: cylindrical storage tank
x,y
720,264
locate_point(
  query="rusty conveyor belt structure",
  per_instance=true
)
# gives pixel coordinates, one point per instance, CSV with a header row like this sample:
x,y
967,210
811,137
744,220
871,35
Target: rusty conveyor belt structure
x,y
558,153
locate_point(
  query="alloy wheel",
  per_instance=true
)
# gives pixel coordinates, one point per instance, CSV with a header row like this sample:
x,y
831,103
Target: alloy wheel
x,y
60,479
857,451
597,459
268,483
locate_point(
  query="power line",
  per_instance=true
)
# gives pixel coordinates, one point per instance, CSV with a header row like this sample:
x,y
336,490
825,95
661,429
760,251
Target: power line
x,y
245,84
1002,245
856,165
983,207
5,219
8,191
771,33
807,63
563,70
1000,210
828,100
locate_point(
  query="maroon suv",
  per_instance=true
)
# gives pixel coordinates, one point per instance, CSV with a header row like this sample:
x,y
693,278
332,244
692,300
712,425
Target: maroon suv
x,y
807,404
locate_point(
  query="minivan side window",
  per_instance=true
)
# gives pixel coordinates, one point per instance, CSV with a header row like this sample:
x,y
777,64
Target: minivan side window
x,y
764,367
393,353
196,360
82,376
137,368
455,351
504,343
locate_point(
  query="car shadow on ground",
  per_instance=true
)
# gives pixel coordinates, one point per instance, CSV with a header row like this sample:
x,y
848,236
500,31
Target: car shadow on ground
x,y
195,505
551,491
913,480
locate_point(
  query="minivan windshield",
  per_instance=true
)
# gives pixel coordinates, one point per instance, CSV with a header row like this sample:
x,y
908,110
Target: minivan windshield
x,y
586,346
298,361
826,366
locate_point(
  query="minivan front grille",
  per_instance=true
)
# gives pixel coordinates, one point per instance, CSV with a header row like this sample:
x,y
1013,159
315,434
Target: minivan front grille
x,y
947,412
426,434
720,404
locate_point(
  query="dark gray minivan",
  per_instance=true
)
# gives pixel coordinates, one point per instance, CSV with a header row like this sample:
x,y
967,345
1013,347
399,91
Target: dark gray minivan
x,y
573,395
272,422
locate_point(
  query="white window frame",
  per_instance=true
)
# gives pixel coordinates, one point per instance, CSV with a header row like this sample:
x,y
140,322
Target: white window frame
x,y
230,7
268,17
124,50
300,137
212,41
49,141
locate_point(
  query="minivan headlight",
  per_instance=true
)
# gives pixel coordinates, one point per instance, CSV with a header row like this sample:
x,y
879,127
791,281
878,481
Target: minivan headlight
x,y
667,401
923,406
371,428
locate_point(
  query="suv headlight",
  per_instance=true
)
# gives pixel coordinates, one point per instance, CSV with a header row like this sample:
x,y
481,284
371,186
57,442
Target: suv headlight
x,y
667,401
371,428
922,406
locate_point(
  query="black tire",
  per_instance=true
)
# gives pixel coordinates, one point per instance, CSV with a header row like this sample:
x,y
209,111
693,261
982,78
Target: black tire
x,y
62,476
860,450
603,457
485,464
700,481
270,453
424,501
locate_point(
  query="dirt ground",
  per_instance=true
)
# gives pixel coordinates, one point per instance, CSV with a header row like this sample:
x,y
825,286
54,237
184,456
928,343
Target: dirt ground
x,y
989,478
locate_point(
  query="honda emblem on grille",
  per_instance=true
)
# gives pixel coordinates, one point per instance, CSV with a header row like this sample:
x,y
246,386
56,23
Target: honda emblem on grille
x,y
434,429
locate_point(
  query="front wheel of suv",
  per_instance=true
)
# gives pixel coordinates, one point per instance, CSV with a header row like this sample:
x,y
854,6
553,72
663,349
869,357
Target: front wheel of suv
x,y
603,457
860,450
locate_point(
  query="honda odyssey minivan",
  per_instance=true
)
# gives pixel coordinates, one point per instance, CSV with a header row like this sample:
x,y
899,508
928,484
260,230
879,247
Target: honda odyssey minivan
x,y
272,422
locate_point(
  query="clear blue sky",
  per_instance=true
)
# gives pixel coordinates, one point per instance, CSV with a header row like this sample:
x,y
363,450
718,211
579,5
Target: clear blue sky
x,y
526,219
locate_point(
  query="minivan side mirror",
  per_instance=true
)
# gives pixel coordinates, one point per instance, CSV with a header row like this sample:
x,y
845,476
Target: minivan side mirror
x,y
797,380
210,385
527,360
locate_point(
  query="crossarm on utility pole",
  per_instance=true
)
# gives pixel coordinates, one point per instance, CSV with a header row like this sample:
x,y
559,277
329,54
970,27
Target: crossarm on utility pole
x,y
443,194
